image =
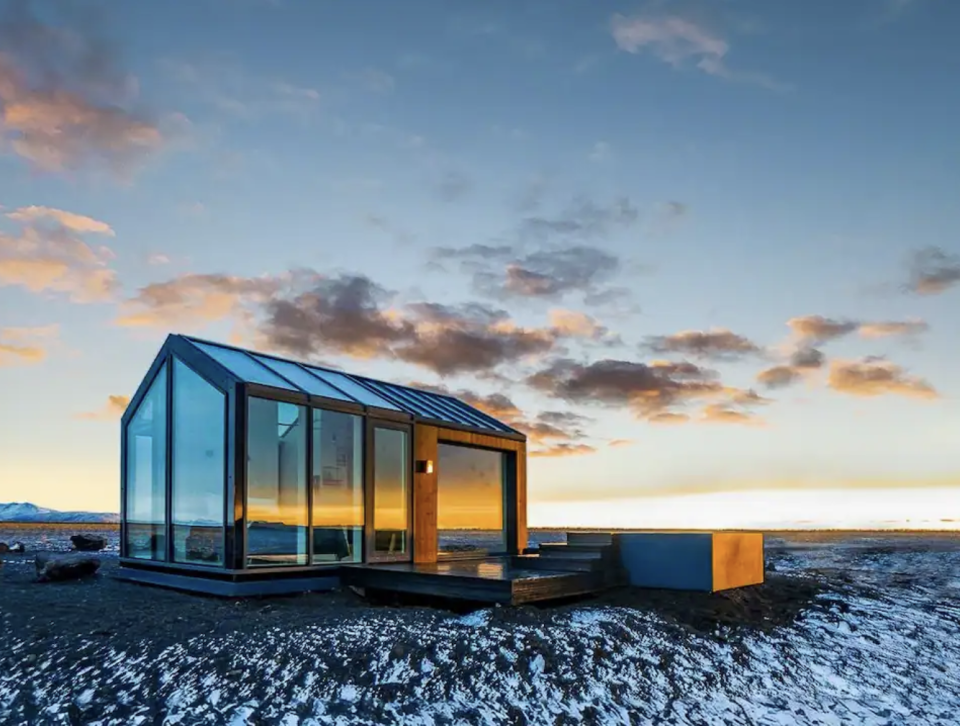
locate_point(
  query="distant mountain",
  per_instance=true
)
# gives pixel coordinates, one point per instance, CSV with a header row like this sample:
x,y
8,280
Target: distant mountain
x,y
26,512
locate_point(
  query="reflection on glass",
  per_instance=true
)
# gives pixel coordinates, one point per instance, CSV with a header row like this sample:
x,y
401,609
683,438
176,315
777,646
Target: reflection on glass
x,y
337,487
243,366
391,492
276,483
146,474
470,500
298,376
352,388
198,468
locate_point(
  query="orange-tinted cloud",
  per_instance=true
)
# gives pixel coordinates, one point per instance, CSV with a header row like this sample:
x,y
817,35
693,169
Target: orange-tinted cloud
x,y
66,220
64,102
574,324
890,328
191,300
48,254
813,329
112,410
564,449
25,346
620,443
871,377
727,414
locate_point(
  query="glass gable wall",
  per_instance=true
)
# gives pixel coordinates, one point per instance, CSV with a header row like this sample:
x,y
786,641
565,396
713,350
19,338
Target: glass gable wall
x,y
199,468
146,473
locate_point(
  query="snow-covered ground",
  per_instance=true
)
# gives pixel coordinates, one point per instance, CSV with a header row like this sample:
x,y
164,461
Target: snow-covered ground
x,y
882,646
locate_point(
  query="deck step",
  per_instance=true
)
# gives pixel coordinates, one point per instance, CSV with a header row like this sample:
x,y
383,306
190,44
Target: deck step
x,y
589,538
555,564
575,550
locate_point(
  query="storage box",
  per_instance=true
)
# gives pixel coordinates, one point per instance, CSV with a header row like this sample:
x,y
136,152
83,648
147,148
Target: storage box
x,y
705,561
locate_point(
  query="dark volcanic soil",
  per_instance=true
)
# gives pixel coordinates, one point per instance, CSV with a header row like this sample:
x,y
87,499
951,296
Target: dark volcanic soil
x,y
107,651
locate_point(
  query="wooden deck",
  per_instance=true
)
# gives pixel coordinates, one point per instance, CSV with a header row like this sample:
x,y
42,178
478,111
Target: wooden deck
x,y
495,580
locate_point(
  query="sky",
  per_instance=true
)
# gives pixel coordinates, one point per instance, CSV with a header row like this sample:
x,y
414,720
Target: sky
x,y
705,253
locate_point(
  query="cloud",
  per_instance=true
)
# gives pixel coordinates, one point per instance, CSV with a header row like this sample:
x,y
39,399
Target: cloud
x,y
620,443
193,299
48,254
891,328
64,100
716,344
545,274
349,314
67,220
676,40
453,186
564,449
801,361
26,346
647,389
574,324
726,414
872,377
158,258
582,218
815,329
812,330
550,256
112,410
933,271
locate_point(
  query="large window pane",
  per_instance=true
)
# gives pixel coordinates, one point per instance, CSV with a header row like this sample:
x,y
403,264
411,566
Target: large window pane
x,y
276,483
391,493
147,474
470,500
337,487
198,468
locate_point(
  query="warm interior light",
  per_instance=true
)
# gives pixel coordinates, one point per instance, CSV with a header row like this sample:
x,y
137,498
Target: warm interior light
x,y
424,466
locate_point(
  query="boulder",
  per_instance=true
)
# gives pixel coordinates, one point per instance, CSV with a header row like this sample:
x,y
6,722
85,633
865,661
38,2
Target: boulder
x,y
4,548
58,568
88,542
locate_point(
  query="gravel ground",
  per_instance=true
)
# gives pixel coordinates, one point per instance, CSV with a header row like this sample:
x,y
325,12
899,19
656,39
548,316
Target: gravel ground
x,y
102,651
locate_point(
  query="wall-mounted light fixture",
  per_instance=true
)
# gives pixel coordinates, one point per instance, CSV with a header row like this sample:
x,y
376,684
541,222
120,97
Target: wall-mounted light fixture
x,y
424,466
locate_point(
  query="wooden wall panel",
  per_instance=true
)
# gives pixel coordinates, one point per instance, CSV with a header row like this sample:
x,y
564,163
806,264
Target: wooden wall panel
x,y
425,496
737,559
521,498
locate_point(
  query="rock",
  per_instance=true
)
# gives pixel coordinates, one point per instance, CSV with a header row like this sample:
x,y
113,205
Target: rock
x,y
4,548
18,548
88,542
65,567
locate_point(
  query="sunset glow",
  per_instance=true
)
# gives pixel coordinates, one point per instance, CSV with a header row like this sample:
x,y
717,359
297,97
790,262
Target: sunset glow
x,y
705,255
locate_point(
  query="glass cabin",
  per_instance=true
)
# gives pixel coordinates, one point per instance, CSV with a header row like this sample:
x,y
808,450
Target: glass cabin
x,y
243,472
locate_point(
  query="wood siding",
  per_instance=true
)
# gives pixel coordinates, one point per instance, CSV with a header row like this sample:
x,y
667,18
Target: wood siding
x,y
425,496
737,559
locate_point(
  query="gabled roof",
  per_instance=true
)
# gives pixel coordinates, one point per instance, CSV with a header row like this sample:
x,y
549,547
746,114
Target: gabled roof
x,y
312,382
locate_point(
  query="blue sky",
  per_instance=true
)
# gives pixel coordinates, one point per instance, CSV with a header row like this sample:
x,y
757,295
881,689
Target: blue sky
x,y
307,176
